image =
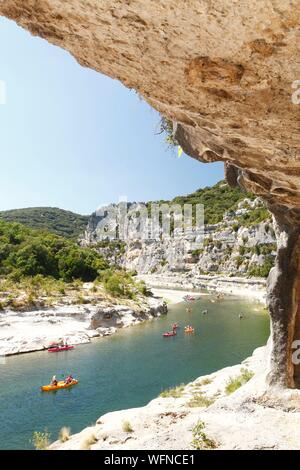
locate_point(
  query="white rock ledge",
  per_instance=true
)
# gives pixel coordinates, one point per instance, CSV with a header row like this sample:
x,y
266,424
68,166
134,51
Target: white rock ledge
x,y
22,332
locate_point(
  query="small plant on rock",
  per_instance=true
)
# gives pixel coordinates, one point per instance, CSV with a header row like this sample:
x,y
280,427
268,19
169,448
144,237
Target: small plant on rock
x,y
126,426
200,440
64,434
41,440
88,441
200,400
175,392
205,381
236,382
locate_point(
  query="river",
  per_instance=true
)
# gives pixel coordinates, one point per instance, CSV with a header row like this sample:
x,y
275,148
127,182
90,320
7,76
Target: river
x,y
125,370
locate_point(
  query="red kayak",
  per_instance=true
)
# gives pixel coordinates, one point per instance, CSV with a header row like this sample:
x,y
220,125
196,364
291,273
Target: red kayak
x,y
169,333
60,348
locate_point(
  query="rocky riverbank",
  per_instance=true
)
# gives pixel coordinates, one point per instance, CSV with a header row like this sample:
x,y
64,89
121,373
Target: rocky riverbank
x,y
34,330
225,406
248,288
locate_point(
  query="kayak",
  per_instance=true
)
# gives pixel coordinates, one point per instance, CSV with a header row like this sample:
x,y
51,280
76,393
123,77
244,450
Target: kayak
x,y
189,298
60,348
61,384
169,333
189,330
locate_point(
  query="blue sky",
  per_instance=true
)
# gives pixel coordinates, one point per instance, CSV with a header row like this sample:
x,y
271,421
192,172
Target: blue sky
x,y
75,139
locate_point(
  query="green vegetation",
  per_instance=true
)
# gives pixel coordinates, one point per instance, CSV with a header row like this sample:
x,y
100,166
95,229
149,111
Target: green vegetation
x,y
264,248
126,426
236,382
28,252
239,260
38,266
197,252
166,127
58,221
262,271
243,250
175,392
121,284
200,400
64,434
206,381
254,216
41,440
200,440
217,200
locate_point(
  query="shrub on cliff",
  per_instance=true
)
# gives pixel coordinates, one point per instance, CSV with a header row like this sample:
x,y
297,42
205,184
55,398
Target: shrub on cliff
x,y
119,283
254,217
262,271
235,383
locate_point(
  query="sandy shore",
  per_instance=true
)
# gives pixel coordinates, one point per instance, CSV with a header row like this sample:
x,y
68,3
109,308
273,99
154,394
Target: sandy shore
x,y
174,296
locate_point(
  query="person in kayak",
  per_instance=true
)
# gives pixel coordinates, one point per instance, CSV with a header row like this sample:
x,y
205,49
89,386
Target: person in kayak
x,y
69,379
54,380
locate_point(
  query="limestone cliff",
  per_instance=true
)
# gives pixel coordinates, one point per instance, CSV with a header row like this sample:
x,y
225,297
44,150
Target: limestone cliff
x,y
232,247
223,71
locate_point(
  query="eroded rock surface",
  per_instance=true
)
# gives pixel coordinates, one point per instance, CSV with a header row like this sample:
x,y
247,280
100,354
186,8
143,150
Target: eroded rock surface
x,y
223,70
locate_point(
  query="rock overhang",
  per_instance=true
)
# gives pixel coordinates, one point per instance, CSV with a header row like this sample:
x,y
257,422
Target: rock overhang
x,y
223,70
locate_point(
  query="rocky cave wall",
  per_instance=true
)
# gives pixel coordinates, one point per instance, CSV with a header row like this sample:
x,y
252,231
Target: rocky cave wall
x,y
223,70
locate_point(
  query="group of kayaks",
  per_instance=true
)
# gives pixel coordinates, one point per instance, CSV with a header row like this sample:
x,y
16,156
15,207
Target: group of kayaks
x,y
175,326
57,385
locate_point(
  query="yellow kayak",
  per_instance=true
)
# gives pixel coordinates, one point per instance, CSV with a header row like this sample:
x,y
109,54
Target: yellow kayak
x,y
61,384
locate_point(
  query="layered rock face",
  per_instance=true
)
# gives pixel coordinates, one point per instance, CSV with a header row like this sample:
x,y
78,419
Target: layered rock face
x,y
228,247
223,71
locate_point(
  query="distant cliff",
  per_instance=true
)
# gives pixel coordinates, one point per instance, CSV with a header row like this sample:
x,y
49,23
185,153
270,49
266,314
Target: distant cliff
x,y
240,241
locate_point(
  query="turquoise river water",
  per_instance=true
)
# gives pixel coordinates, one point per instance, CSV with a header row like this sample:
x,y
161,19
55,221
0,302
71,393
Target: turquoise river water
x,y
125,370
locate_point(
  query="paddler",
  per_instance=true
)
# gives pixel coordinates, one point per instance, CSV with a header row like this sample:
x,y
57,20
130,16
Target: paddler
x,y
54,380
